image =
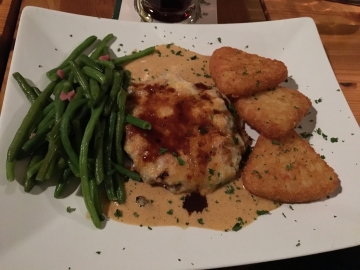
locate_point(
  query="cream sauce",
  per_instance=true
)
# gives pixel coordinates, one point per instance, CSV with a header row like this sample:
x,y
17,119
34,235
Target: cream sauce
x,y
229,206
192,67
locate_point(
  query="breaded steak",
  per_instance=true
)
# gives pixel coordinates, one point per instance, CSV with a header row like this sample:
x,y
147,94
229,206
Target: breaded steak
x,y
193,144
288,170
240,74
273,113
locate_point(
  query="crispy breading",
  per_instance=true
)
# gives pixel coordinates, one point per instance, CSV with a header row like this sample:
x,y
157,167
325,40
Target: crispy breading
x,y
273,113
239,74
288,170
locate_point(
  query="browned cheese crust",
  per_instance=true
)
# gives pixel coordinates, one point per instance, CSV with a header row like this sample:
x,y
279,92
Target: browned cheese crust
x,y
193,144
273,113
288,170
240,74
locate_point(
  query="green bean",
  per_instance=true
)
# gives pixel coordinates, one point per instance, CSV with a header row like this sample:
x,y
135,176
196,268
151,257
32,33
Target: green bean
x,y
128,58
25,87
61,164
48,160
109,184
60,105
81,78
63,180
96,198
105,87
73,169
99,152
122,170
54,132
96,53
71,78
126,79
83,164
52,166
47,119
64,132
77,127
36,90
48,108
90,62
54,76
120,188
73,55
33,169
117,79
105,64
30,181
120,123
93,73
25,129
38,136
137,122
94,88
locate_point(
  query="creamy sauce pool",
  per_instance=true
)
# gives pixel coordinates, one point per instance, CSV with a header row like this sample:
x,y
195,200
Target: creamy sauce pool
x,y
229,208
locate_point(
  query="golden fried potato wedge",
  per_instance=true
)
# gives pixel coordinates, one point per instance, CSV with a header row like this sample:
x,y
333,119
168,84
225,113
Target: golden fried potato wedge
x,y
240,74
273,113
288,170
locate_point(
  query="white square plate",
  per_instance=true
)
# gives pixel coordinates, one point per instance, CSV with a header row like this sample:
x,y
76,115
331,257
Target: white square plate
x,y
36,231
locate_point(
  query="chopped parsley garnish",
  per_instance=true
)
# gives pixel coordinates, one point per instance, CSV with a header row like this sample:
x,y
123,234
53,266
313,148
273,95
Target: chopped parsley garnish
x,y
136,214
180,161
193,57
118,213
289,166
258,174
98,252
262,212
70,210
170,212
229,189
305,135
318,100
219,39
211,171
200,220
275,142
236,227
162,151
322,156
149,228
334,140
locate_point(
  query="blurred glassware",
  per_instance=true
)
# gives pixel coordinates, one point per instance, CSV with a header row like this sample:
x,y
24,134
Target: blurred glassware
x,y
169,11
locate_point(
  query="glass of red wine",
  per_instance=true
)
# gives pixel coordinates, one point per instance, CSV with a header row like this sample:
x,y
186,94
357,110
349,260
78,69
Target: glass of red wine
x,y
169,11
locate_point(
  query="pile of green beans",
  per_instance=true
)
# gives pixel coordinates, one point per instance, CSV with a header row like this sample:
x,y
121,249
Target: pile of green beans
x,y
75,126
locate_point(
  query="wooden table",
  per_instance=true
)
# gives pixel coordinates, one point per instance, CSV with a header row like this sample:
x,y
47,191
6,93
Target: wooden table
x,y
339,28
